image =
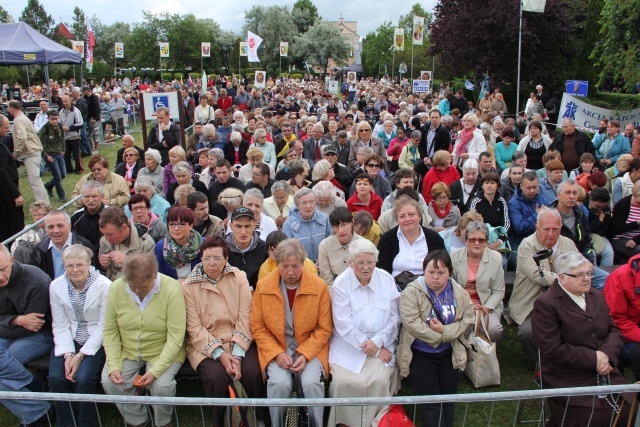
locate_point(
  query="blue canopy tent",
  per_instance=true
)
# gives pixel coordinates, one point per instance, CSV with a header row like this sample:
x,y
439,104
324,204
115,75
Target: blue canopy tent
x,y
20,44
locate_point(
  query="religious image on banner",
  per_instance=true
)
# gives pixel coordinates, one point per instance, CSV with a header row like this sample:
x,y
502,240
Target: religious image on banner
x,y
284,48
352,77
260,80
164,50
206,49
244,49
119,50
425,75
398,39
418,30
78,46
254,42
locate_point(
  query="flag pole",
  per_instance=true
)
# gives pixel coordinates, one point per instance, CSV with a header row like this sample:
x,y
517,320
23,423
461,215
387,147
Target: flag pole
x,y
411,60
519,55
393,61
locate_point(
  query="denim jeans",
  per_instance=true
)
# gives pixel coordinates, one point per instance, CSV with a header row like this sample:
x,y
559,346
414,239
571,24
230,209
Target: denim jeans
x,y
85,145
59,172
599,278
15,377
86,382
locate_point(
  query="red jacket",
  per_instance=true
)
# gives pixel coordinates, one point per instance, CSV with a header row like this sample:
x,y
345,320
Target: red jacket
x,y
224,103
623,301
374,208
434,176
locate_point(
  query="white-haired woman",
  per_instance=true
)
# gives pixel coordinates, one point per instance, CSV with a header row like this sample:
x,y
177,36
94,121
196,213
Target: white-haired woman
x,y
322,171
210,138
78,303
184,175
470,141
278,205
153,170
269,150
326,200
464,190
366,322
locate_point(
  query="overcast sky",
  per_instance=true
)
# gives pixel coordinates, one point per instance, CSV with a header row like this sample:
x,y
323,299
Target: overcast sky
x,y
370,14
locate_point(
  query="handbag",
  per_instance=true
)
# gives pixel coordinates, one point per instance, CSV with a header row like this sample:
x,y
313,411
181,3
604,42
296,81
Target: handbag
x,y
238,416
296,416
404,278
395,417
483,368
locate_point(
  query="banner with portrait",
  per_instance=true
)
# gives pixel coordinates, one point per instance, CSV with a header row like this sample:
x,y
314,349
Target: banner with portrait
x,y
244,49
78,46
284,48
398,39
352,77
425,75
119,49
418,30
260,81
206,49
164,50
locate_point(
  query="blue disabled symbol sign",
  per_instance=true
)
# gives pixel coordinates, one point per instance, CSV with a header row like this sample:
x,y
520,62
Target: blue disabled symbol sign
x,y
159,101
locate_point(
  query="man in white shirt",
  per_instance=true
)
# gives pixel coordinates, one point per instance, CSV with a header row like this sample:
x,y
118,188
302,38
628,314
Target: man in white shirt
x,y
41,118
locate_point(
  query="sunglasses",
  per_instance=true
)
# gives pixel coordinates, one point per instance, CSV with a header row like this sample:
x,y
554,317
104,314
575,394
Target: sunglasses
x,y
477,240
364,130
373,165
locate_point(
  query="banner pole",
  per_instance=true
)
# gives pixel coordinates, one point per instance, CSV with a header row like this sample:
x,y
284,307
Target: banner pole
x,y
519,56
412,62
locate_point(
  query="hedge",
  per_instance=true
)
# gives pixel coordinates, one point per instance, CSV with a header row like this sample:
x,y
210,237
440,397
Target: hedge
x,y
296,76
178,76
614,101
166,76
195,75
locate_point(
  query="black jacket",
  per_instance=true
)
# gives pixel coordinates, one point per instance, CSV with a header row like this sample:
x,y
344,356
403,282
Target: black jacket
x,y
26,292
619,224
195,183
583,144
93,105
461,104
266,191
11,216
121,169
230,152
457,195
44,259
171,137
441,141
86,225
582,238
249,261
121,152
217,187
391,245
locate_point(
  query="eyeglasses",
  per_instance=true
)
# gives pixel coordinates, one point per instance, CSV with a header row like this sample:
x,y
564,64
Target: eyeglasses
x,y
477,240
373,165
139,208
308,203
442,198
72,267
214,259
129,155
97,169
177,225
588,274
361,264
364,130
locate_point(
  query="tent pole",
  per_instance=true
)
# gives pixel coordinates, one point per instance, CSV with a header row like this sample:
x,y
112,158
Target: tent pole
x,y
26,67
46,79
81,85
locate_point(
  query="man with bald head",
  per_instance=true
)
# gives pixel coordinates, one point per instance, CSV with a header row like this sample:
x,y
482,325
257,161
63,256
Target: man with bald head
x,y
71,121
529,284
128,142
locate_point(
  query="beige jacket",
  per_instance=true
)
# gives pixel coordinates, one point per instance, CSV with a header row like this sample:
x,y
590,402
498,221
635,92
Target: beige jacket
x,y
490,278
333,258
528,285
414,310
217,314
26,140
137,245
116,190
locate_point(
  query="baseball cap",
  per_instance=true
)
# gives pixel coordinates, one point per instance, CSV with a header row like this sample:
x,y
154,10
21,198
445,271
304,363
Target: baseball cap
x,y
52,113
329,148
242,212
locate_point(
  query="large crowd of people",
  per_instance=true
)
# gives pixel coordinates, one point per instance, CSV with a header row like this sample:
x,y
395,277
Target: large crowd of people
x,y
344,242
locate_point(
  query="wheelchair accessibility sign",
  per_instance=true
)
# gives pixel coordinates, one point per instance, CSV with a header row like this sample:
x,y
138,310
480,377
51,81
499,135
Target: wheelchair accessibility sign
x,y
153,101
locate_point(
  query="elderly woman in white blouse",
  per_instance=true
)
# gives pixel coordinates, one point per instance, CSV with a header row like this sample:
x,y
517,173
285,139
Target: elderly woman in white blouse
x,y
366,323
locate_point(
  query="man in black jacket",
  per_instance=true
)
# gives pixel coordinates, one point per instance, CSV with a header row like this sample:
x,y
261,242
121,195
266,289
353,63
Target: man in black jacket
x,y
48,253
25,334
434,138
461,103
93,117
224,180
84,222
163,136
572,144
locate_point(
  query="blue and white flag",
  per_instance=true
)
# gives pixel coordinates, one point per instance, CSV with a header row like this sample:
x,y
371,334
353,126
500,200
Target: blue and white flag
x,y
468,85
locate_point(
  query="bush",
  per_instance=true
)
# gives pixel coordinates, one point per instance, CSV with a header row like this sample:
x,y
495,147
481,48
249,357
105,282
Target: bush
x,y
178,76
296,76
129,74
614,101
167,76
139,73
152,74
195,75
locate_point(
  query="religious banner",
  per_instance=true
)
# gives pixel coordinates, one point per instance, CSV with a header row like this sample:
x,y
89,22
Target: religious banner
x,y
260,80
78,46
418,30
587,116
254,42
206,49
119,50
284,49
244,49
398,39
164,50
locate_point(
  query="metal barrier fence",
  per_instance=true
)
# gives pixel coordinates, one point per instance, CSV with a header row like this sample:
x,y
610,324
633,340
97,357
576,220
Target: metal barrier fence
x,y
40,221
471,408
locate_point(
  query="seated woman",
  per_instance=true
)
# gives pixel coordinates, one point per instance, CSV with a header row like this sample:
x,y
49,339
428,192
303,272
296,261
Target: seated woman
x,y
220,345
410,156
142,215
299,171
396,147
374,165
278,205
454,237
144,327
291,325
176,155
624,231
322,171
578,342
114,187
273,239
492,206
184,175
159,206
130,166
228,201
307,223
334,249
442,171
78,300
478,269
366,325
436,315
441,210
326,199
153,170
364,198
406,245
179,252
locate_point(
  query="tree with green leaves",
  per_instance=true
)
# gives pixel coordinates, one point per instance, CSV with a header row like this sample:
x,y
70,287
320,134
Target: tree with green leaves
x,y
618,51
228,43
305,14
322,42
79,26
376,49
5,17
36,16
274,24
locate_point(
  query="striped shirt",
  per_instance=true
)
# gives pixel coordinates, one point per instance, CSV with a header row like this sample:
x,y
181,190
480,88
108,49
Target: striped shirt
x,y
78,299
634,216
